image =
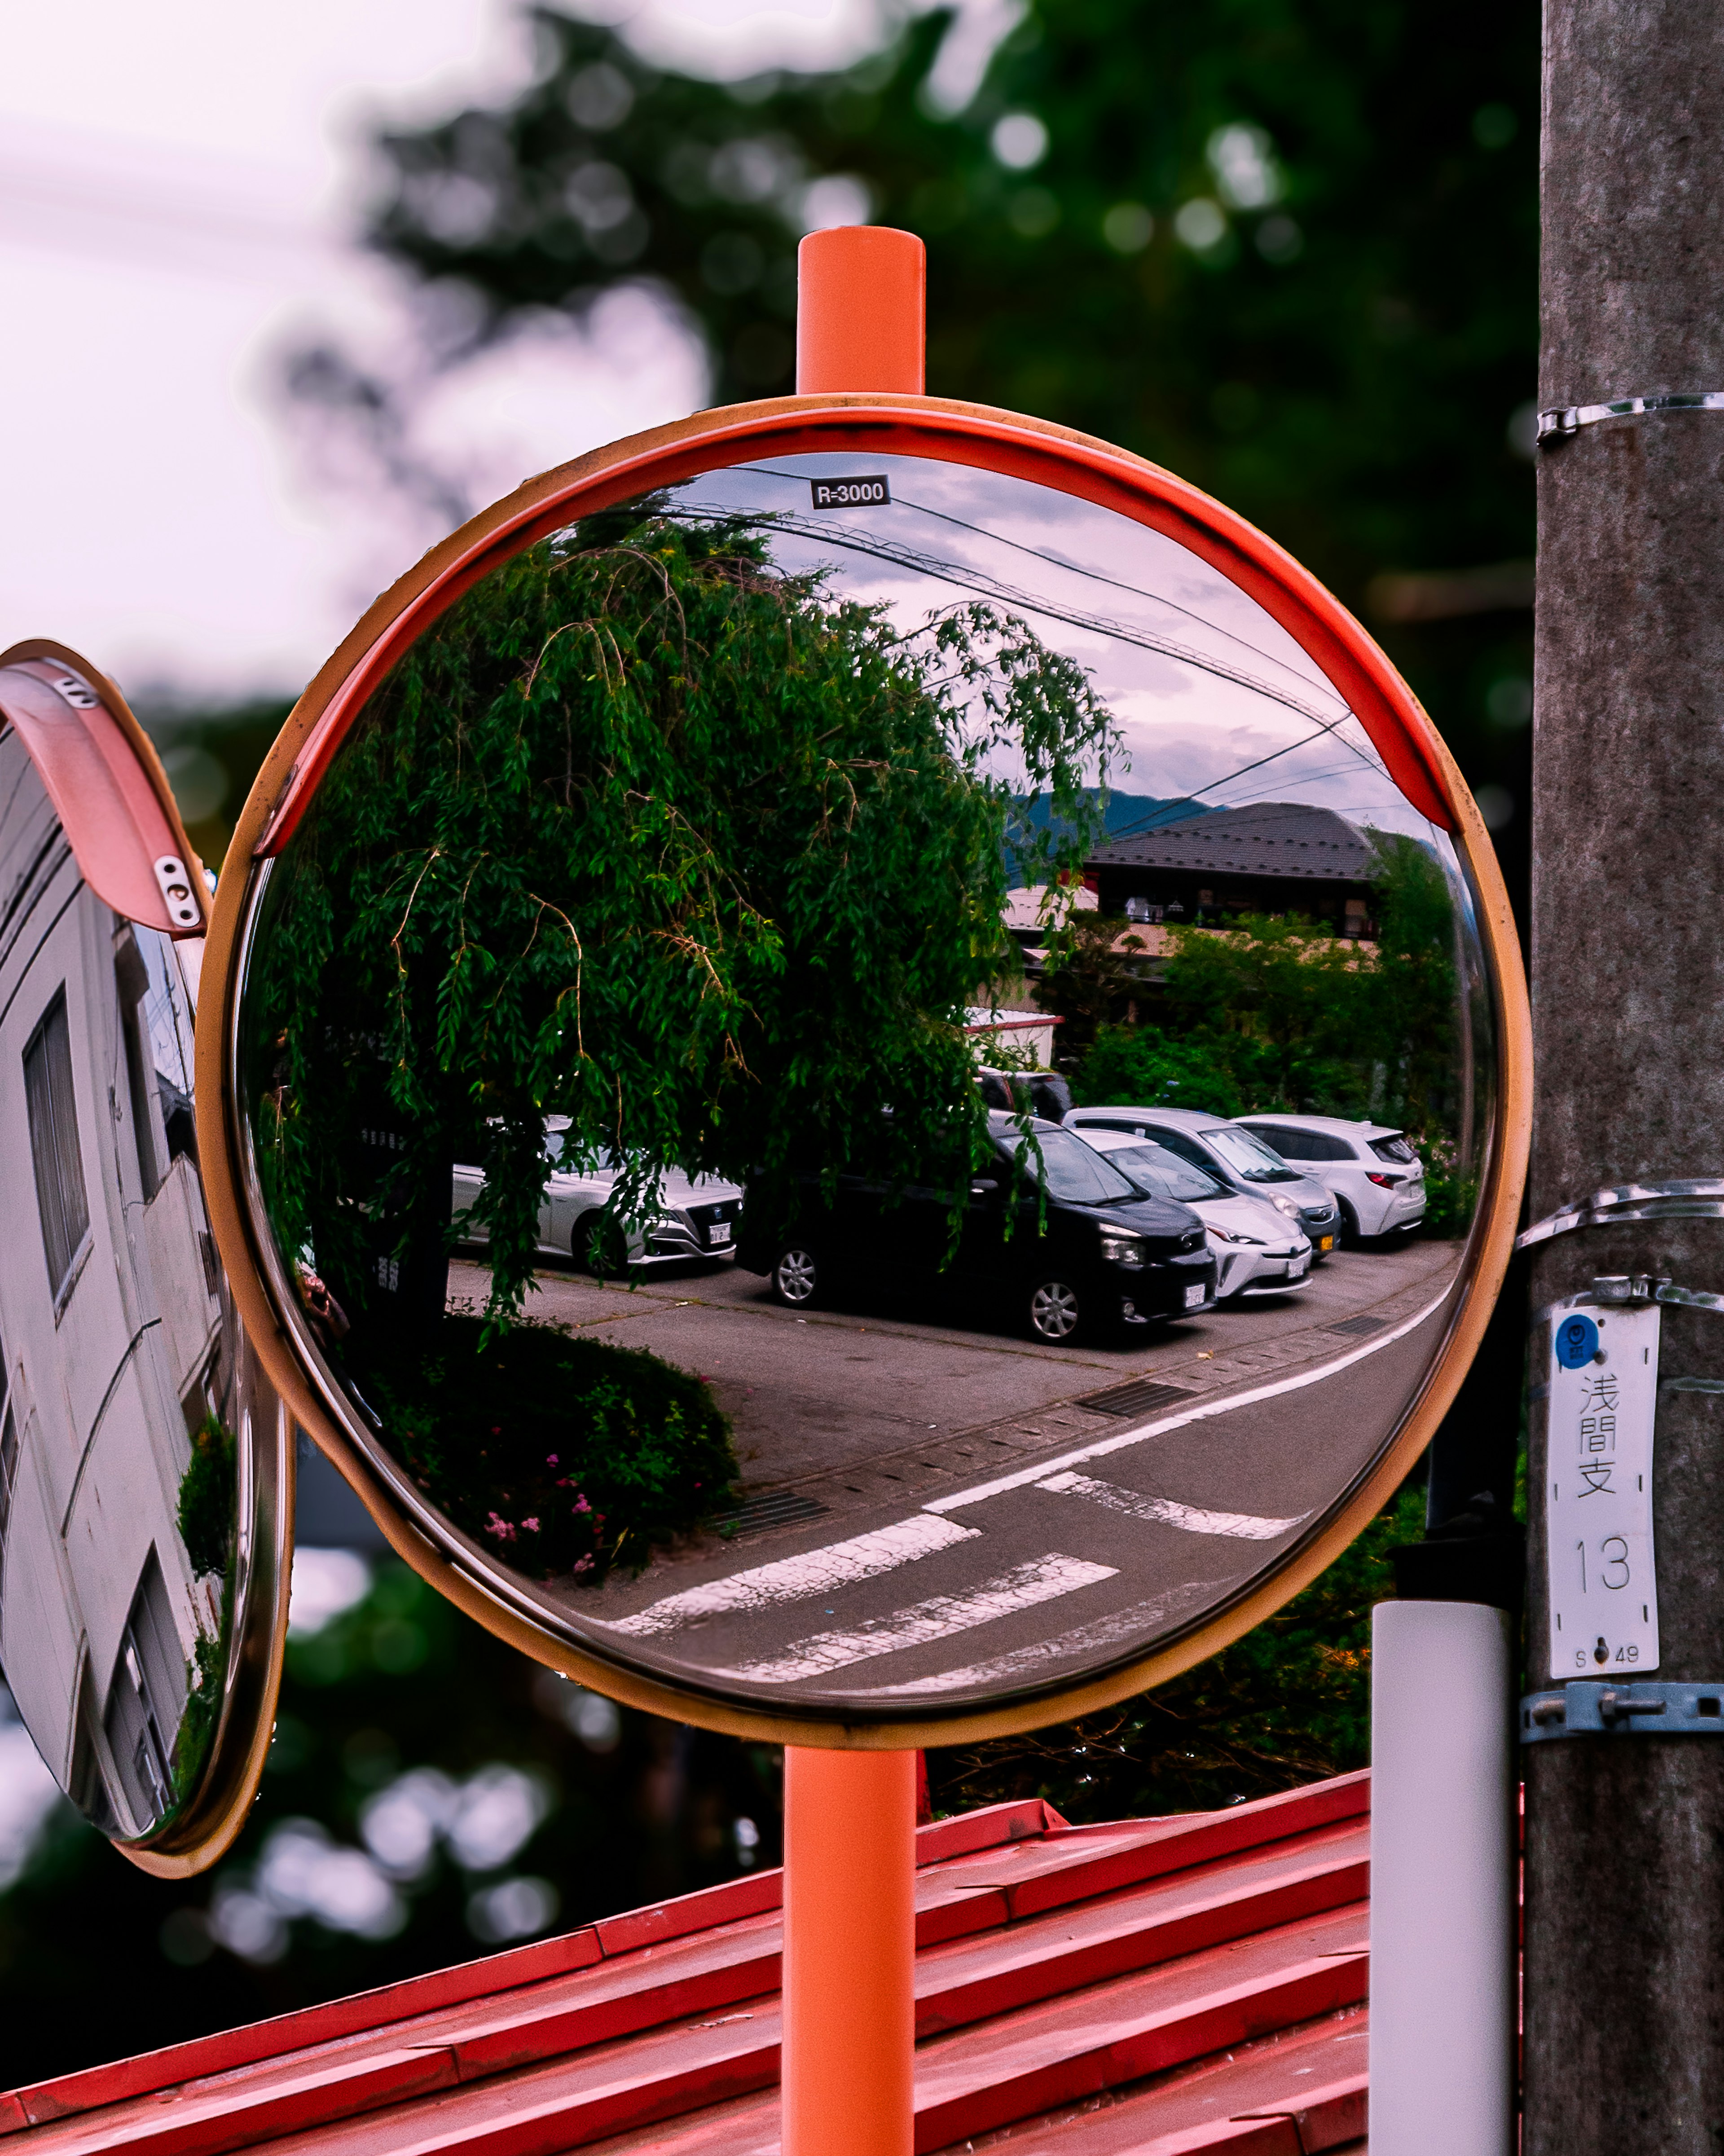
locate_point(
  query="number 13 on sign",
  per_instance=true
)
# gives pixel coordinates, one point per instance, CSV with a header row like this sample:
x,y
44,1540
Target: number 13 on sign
x,y
1604,1388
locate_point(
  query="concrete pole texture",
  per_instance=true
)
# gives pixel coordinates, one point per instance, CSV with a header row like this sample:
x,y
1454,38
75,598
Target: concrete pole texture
x,y
1625,1838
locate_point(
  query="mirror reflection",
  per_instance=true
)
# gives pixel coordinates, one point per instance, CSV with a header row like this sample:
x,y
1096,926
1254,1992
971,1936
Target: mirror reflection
x,y
126,1402
861,1085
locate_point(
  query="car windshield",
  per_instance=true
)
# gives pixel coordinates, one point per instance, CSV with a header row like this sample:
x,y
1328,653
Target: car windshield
x,y
1395,1148
1073,1171
1157,1170
1250,1156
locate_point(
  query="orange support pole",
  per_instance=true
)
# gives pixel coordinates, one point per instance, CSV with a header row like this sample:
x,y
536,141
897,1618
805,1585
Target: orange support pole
x,y
849,1817
850,1953
860,311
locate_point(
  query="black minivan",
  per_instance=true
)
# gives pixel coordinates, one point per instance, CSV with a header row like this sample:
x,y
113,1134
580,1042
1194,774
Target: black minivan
x,y
1101,1256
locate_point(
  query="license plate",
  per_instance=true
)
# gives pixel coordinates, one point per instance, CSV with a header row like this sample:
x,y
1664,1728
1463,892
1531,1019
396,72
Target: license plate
x,y
1296,1269
718,1234
1194,1296
1326,1242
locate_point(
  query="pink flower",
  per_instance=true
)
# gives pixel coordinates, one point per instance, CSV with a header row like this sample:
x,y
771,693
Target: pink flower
x,y
552,1459
501,1529
531,1526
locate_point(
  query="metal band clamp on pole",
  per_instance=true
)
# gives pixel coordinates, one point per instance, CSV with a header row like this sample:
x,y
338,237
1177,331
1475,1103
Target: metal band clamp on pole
x,y
1563,421
1689,1197
1586,1706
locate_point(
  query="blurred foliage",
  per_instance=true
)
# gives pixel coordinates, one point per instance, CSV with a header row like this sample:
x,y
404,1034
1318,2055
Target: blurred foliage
x,y
1286,247
635,1810
212,753
1288,1703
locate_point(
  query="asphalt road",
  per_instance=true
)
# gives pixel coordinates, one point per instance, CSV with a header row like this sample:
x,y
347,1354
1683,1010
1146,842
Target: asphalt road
x,y
939,1513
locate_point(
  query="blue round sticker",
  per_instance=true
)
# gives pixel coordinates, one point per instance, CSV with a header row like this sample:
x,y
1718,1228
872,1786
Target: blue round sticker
x,y
1576,1340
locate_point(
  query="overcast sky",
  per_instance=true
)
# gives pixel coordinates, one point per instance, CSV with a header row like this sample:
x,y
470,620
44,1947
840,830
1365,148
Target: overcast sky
x,y
177,183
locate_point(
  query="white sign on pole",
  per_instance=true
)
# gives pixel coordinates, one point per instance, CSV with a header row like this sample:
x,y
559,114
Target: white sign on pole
x,y
1604,1592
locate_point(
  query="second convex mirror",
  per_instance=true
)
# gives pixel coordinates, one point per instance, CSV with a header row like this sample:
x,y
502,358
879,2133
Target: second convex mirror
x,y
145,1468
868,1061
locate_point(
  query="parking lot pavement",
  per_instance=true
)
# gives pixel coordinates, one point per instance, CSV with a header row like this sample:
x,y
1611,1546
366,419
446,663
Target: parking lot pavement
x,y
852,1405
936,1510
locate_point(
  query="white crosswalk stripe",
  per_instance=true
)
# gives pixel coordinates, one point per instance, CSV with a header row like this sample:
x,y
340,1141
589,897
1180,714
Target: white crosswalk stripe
x,y
1042,1579
1140,1622
1249,1527
814,1571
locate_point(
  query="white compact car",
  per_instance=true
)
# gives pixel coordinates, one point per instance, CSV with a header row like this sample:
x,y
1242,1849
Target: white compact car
x,y
697,1217
1258,1252
1377,1180
1233,1155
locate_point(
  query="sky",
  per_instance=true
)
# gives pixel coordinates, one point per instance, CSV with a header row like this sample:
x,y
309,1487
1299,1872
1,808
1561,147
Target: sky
x,y
178,188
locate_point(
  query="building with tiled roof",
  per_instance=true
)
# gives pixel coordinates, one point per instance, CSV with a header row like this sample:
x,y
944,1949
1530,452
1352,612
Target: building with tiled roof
x,y
1274,857
1157,1987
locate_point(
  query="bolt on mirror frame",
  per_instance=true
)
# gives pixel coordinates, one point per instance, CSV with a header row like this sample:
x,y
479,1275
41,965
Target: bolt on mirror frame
x,y
106,786
962,435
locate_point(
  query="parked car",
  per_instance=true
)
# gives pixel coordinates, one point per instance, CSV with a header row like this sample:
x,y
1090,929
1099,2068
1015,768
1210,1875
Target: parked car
x,y
1043,1093
1258,1250
1087,1253
1377,1180
698,1217
1238,1157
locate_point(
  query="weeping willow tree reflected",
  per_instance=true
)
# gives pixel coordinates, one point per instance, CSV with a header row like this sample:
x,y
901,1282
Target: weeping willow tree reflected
x,y
657,840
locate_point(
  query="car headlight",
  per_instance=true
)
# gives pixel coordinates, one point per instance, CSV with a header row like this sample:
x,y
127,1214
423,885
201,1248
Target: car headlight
x,y
1121,1250
1227,1235
1287,1205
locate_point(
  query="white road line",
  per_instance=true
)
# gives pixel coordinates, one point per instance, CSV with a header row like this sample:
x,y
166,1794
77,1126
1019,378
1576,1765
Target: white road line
x,y
1138,1624
1040,1580
1100,1448
1250,1526
814,1572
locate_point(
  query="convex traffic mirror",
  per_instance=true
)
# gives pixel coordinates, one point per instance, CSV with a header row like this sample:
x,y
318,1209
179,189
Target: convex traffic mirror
x,y
867,1070
143,1462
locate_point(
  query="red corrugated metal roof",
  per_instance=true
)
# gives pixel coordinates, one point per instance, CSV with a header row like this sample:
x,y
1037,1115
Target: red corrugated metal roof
x,y
1158,1987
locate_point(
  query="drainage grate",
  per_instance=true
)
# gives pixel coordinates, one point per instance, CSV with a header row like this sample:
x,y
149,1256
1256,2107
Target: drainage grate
x,y
778,1508
1358,1325
1138,1397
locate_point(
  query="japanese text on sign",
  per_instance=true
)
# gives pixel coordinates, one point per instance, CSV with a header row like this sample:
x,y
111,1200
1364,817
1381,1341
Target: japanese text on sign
x,y
1603,1389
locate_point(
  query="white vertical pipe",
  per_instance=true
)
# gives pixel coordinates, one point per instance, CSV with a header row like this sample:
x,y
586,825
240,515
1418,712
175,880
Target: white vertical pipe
x,y
1444,1872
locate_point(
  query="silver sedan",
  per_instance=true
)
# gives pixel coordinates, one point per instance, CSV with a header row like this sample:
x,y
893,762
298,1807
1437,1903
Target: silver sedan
x,y
696,1216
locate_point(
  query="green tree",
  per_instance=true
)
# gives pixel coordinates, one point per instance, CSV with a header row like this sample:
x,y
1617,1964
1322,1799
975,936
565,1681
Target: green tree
x,y
646,834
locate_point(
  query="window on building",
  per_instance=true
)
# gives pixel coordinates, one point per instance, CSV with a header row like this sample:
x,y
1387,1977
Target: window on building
x,y
133,980
61,1197
146,1697
8,1476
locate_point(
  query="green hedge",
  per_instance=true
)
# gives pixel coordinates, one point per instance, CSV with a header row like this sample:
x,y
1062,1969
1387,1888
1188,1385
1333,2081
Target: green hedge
x,y
561,1454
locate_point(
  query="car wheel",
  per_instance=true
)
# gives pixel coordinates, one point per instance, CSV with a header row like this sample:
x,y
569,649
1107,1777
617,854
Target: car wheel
x,y
1054,1311
1347,1235
795,1276
599,1245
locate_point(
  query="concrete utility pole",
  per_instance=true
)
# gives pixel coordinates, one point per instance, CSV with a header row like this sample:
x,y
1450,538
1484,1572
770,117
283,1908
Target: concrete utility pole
x,y
1624,1838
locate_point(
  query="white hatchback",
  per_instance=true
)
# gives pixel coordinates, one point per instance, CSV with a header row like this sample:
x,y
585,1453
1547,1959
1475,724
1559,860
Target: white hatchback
x,y
1256,1251
1377,1180
697,1217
